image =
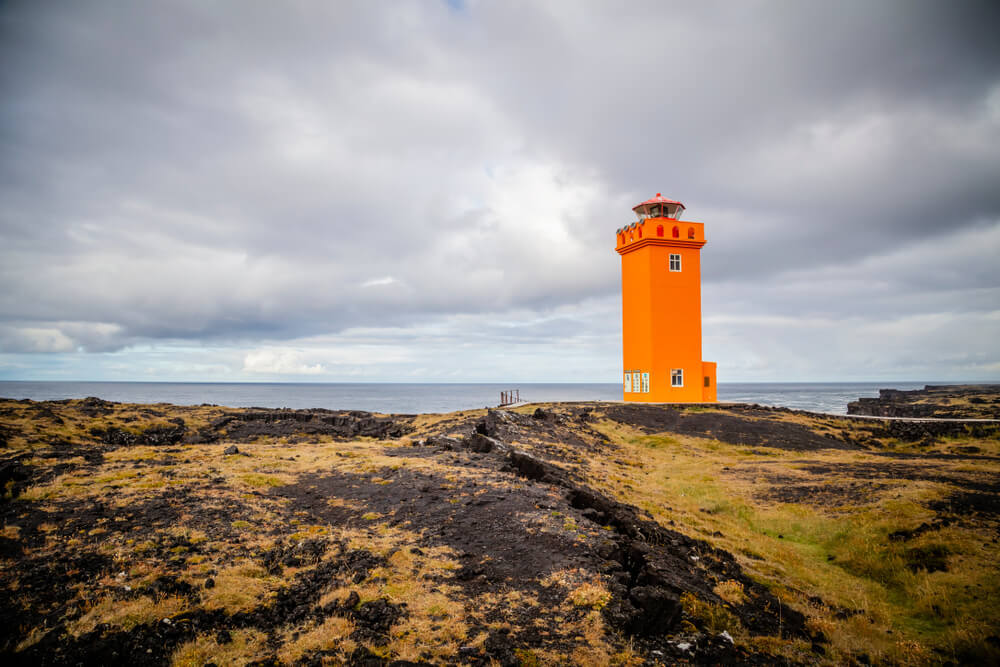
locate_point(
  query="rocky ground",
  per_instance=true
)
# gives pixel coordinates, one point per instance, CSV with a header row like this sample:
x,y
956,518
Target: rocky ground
x,y
586,533
950,401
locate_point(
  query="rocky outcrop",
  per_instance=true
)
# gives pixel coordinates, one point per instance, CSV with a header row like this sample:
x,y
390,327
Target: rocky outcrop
x,y
154,436
649,566
949,401
916,431
247,426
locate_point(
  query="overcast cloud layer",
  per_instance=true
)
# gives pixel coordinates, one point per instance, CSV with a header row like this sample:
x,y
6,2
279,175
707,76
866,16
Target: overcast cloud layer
x,y
429,190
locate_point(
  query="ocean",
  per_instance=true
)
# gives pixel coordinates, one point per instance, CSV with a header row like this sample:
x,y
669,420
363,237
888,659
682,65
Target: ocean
x,y
830,397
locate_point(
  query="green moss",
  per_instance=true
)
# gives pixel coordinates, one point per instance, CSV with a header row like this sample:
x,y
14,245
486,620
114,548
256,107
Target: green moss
x,y
257,479
713,617
526,658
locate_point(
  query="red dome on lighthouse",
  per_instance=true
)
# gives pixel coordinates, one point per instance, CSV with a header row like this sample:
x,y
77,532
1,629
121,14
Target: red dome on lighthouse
x,y
659,207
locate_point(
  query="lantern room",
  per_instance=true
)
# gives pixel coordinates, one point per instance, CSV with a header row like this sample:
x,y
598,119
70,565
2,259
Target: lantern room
x,y
659,207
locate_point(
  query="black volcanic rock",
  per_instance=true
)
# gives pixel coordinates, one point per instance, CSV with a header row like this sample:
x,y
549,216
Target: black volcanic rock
x,y
943,401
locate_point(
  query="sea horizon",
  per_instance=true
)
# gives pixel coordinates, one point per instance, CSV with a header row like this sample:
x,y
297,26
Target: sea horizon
x,y
434,396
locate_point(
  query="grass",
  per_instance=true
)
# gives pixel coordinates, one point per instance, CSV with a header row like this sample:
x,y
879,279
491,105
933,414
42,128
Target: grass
x,y
258,480
126,614
730,591
593,594
838,551
714,618
333,632
879,595
241,588
246,645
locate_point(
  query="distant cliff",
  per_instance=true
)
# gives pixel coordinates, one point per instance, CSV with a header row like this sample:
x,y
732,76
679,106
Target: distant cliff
x,y
955,401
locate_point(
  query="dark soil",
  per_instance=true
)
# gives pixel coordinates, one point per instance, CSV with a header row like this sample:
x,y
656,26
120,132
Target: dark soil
x,y
907,471
970,503
248,426
841,492
929,432
861,483
753,425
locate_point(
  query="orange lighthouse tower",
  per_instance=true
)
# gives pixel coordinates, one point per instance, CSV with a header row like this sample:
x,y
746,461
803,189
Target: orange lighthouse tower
x,y
661,306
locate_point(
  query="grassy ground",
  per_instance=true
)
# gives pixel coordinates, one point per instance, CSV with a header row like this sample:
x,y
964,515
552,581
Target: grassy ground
x,y
119,538
816,528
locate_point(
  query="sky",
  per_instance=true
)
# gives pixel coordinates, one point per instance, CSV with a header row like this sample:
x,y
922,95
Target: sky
x,y
429,190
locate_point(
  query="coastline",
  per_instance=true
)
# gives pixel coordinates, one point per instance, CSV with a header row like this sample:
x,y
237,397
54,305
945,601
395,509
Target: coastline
x,y
426,397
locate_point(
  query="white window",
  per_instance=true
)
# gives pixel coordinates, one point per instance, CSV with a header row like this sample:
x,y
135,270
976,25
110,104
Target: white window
x,y
675,262
645,383
628,381
635,382
676,377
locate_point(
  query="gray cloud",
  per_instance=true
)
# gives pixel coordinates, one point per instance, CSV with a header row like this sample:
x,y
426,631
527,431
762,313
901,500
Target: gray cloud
x,y
264,180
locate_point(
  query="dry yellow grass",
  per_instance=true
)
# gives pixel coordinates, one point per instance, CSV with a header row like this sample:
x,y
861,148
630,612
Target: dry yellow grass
x,y
241,588
126,614
245,646
333,632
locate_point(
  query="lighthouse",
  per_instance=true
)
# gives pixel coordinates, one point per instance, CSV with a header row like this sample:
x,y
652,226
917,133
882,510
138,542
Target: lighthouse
x,y
661,306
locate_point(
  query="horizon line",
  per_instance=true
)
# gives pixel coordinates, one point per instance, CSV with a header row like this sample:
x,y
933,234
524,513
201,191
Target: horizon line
x,y
510,382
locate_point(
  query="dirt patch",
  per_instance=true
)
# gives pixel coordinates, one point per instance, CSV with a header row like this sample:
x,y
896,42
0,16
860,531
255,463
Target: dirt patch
x,y
836,493
907,471
757,428
932,558
905,535
970,503
861,483
343,425
14,477
490,526
930,432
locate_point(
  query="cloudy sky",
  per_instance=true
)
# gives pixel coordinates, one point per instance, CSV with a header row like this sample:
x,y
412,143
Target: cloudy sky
x,y
429,191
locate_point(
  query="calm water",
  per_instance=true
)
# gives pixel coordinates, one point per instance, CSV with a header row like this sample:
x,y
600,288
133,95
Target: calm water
x,y
410,398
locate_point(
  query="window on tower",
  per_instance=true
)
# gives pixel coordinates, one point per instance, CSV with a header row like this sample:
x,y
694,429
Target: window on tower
x,y
645,383
676,377
675,262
